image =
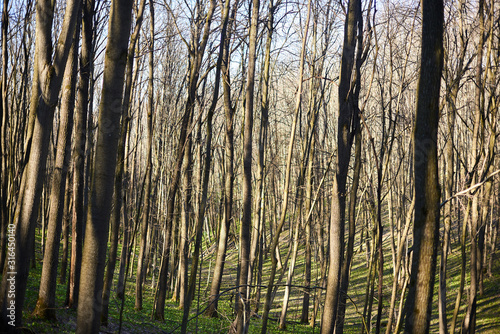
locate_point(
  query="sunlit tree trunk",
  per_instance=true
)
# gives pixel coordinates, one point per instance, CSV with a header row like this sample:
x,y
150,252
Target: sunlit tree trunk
x,y
196,51
45,306
243,306
286,297
142,262
79,149
110,110
425,169
4,148
49,69
345,137
227,216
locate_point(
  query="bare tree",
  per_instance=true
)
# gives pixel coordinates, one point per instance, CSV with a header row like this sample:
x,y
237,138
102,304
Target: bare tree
x,y
49,70
243,306
426,219
45,307
227,217
348,122
79,149
95,245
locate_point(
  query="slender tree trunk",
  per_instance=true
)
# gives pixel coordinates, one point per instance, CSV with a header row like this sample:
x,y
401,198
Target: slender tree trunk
x,y
243,306
78,154
425,169
94,250
282,320
304,318
121,168
347,121
229,175
469,324
45,92
196,50
206,173
141,266
45,306
458,300
4,148
65,231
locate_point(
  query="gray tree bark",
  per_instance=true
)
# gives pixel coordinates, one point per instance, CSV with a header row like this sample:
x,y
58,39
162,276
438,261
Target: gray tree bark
x,y
345,137
45,91
110,110
45,306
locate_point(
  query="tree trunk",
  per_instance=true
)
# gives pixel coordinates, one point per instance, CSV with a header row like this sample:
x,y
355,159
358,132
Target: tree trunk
x,y
4,148
45,91
94,250
65,231
469,324
243,306
347,120
425,169
229,158
196,52
282,320
78,154
206,173
45,306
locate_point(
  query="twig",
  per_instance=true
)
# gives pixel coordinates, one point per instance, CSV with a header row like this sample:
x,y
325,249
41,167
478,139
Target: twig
x,y
465,191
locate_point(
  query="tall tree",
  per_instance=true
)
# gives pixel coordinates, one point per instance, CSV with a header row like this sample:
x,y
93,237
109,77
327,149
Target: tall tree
x,y
4,149
49,70
243,306
45,307
227,28
452,79
347,126
119,197
79,149
206,171
96,235
196,52
141,270
298,102
425,171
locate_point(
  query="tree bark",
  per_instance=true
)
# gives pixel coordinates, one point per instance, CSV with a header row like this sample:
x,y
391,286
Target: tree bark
x,y
229,161
45,91
141,265
45,306
345,136
4,148
78,154
94,249
196,52
425,169
243,306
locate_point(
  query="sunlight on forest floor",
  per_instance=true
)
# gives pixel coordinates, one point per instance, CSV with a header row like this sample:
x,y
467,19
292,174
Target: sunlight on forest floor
x,y
134,321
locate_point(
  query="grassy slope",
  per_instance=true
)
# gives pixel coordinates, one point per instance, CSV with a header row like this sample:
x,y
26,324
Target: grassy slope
x,y
140,321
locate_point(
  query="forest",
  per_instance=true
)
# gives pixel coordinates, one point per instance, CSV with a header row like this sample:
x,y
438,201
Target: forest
x,y
258,166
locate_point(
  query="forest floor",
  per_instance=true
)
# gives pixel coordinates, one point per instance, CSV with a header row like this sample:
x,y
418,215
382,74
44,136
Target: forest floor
x,y
488,310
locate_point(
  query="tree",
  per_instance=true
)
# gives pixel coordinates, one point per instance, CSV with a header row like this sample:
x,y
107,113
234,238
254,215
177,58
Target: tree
x,y
348,122
229,110
45,307
425,171
196,51
48,75
4,154
79,149
95,244
243,306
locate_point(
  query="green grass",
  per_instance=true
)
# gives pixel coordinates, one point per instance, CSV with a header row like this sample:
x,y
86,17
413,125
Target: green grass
x,y
134,321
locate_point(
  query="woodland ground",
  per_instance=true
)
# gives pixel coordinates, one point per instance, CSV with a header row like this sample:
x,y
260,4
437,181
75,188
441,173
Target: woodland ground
x,y
488,318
